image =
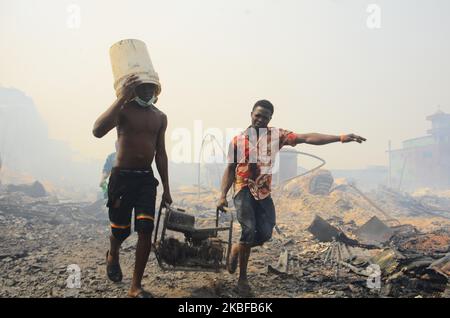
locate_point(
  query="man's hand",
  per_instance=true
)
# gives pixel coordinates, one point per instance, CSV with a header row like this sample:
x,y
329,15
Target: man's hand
x,y
109,119
103,180
222,204
166,199
352,137
128,89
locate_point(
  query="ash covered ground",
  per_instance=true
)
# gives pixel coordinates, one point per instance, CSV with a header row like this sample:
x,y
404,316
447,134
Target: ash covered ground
x,y
41,236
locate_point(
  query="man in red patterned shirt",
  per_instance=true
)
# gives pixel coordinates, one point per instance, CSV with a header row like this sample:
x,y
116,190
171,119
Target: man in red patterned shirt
x,y
251,159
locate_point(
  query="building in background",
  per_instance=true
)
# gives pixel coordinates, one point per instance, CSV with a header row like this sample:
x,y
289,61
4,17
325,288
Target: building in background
x,y
424,161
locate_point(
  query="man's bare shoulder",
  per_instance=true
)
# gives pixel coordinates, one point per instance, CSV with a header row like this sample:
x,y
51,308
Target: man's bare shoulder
x,y
160,113
161,118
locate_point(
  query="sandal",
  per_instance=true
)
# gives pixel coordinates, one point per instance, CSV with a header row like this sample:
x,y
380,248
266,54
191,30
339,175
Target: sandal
x,y
113,271
143,294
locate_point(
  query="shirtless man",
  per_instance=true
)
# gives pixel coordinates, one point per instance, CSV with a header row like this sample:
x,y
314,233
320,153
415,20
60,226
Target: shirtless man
x,y
140,132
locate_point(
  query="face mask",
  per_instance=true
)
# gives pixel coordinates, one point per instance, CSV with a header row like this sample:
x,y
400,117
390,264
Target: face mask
x,y
143,103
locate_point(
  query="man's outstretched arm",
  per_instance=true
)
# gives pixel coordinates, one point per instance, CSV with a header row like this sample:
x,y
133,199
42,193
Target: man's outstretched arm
x,y
162,163
322,139
108,120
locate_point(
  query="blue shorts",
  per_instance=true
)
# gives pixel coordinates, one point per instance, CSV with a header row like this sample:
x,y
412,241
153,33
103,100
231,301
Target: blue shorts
x,y
257,218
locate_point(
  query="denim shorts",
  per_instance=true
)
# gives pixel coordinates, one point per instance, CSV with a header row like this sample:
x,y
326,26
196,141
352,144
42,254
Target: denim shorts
x,y
257,218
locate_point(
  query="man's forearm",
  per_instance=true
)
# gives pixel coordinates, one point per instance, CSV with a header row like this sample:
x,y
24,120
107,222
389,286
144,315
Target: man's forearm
x,y
318,139
163,170
108,119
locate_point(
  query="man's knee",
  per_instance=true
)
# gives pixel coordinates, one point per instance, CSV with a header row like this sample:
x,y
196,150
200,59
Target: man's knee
x,y
120,234
144,228
263,234
263,238
248,235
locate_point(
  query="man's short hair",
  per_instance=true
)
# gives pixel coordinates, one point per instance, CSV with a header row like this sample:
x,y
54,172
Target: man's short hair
x,y
264,104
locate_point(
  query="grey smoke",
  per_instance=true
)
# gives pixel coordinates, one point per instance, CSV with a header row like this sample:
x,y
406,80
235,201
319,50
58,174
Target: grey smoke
x,y
26,147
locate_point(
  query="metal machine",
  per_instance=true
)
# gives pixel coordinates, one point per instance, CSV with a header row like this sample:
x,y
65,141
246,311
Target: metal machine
x,y
203,249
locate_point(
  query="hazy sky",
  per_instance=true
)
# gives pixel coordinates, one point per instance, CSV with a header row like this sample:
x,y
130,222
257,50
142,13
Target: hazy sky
x,y
317,61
